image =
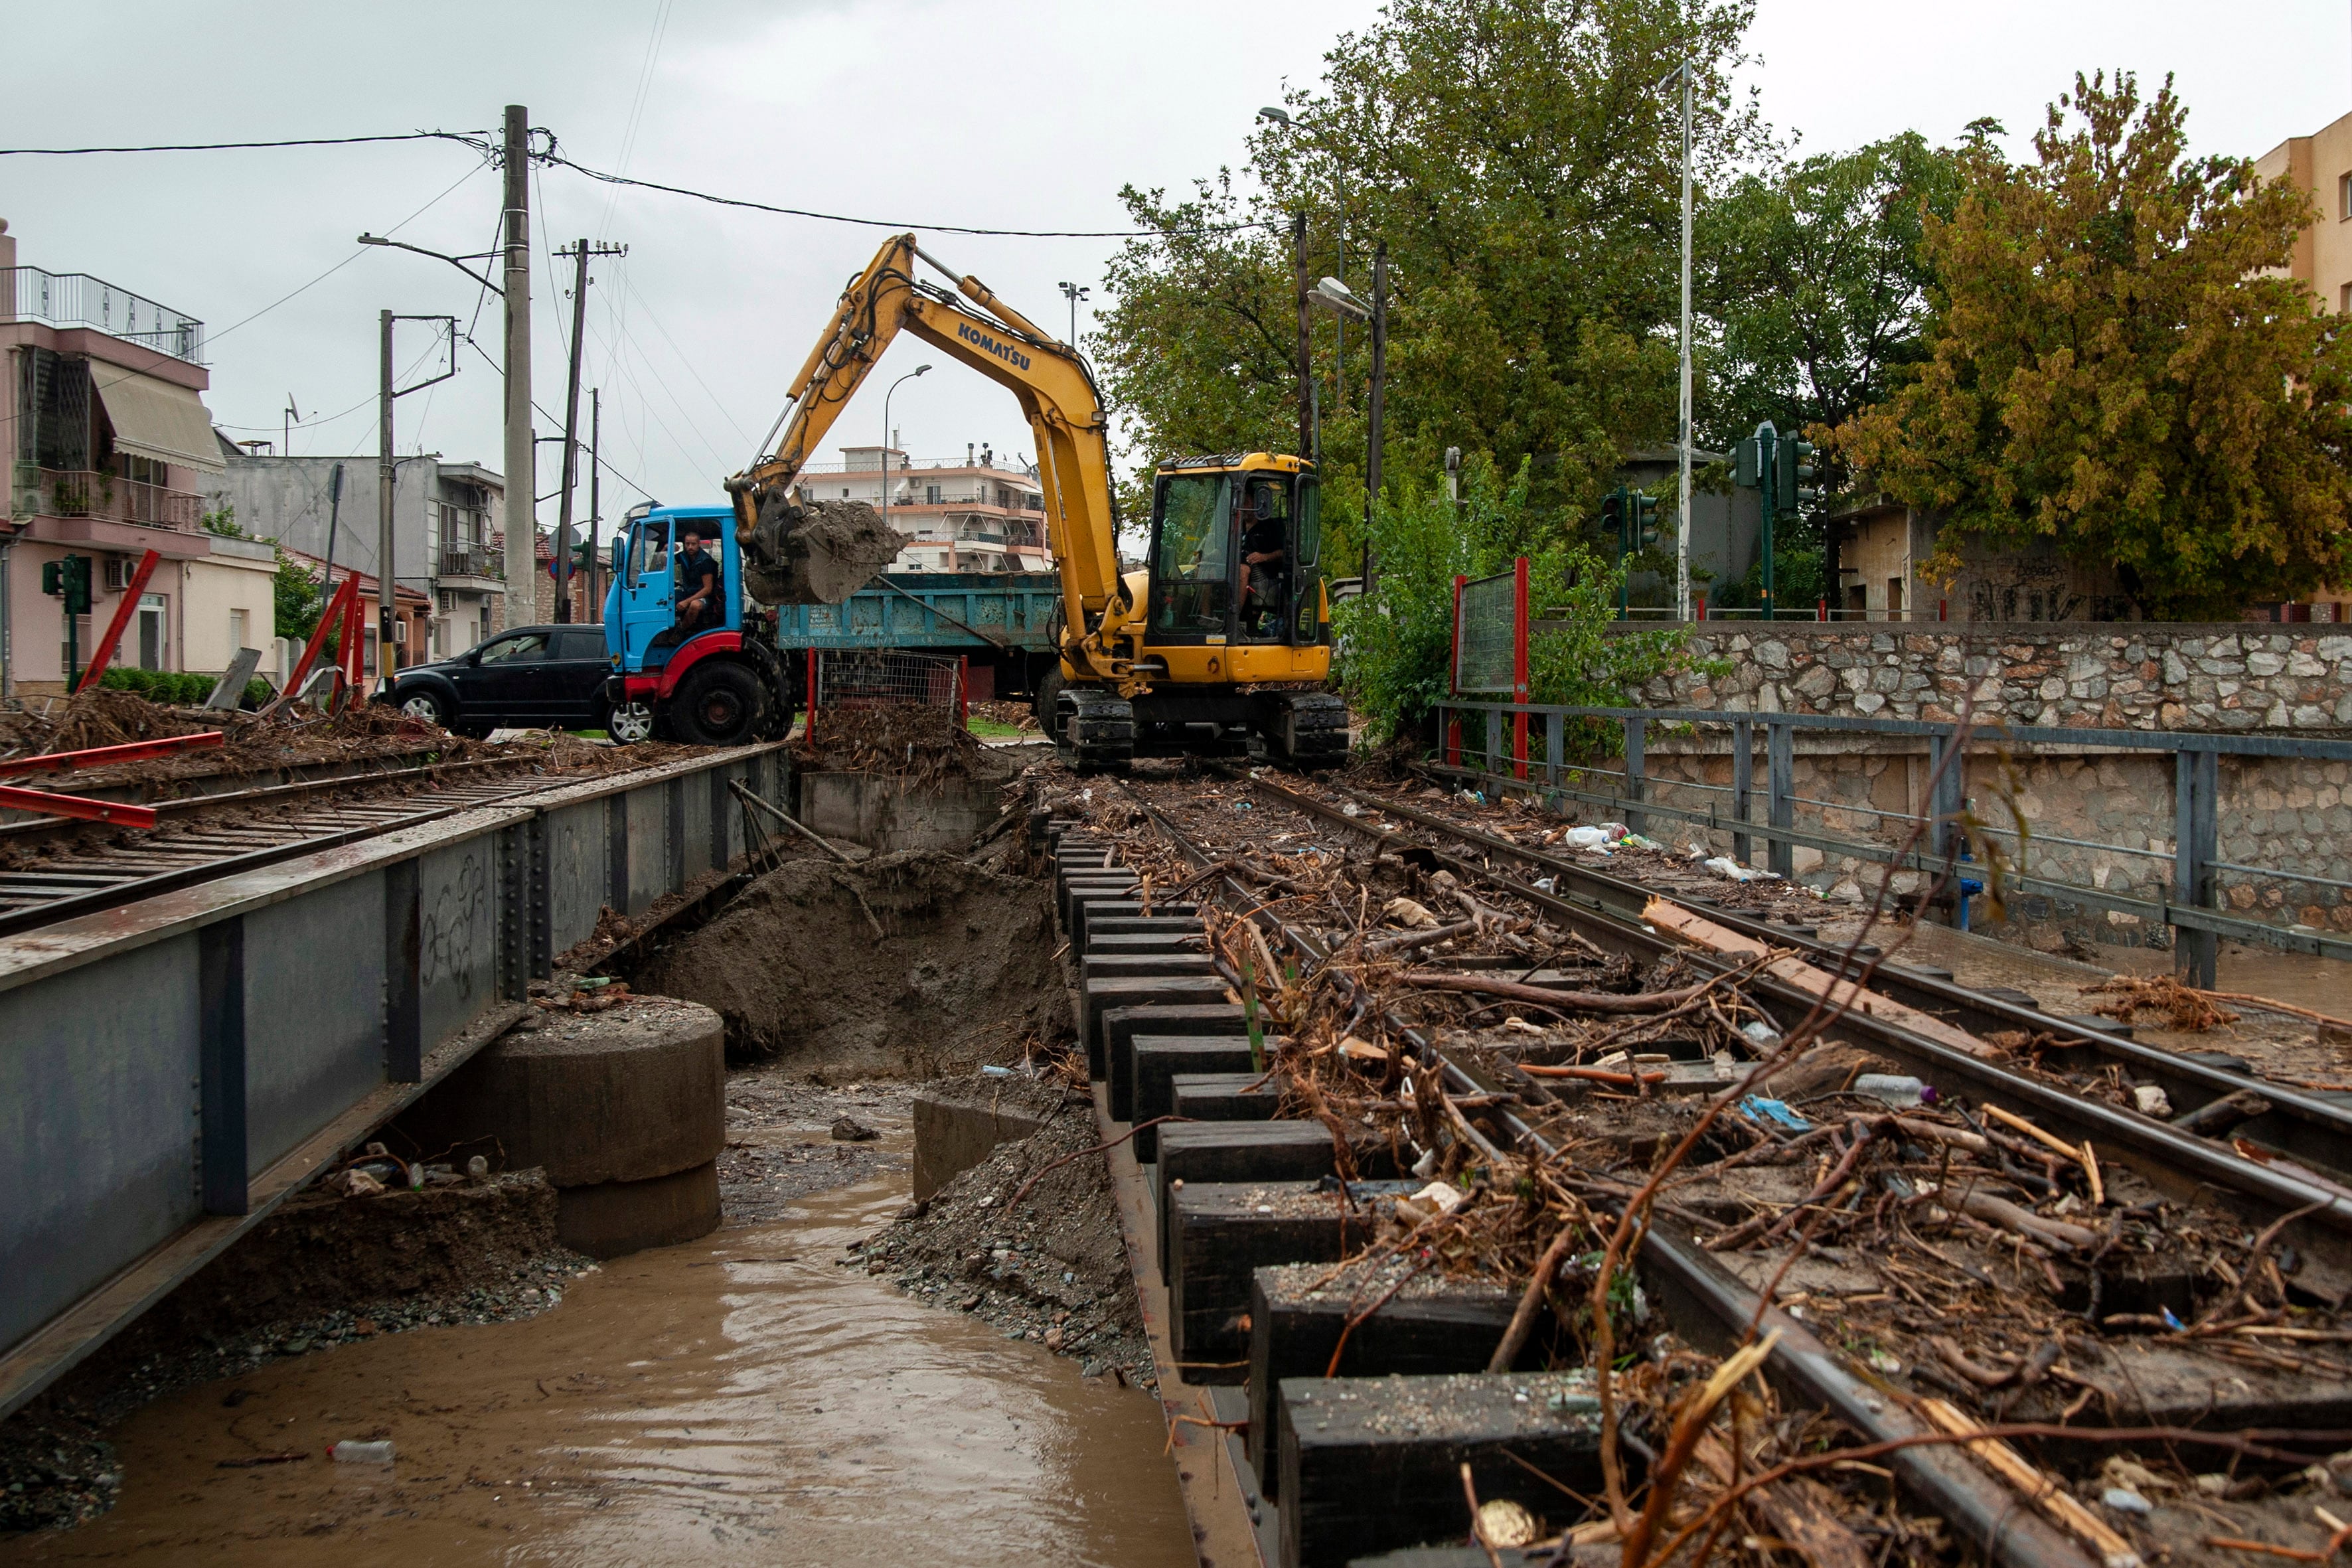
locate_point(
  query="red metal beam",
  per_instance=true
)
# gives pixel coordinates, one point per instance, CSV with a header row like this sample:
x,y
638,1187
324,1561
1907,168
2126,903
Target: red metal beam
x,y
348,588
122,614
47,804
104,756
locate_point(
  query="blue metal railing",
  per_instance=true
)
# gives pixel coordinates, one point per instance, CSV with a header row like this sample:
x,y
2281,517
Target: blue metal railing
x,y
2190,905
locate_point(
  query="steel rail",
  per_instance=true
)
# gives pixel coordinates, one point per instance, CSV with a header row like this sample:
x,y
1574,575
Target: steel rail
x,y
2300,1124
1721,1310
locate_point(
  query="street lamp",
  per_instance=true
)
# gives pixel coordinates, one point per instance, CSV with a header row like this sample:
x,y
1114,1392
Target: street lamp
x,y
883,456
1073,293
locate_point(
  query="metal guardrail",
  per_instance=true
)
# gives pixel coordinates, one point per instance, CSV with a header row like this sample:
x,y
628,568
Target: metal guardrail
x,y
172,1069
78,299
2191,906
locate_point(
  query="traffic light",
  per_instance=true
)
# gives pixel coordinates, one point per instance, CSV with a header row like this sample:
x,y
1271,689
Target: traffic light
x,y
1612,516
1789,472
67,578
1643,523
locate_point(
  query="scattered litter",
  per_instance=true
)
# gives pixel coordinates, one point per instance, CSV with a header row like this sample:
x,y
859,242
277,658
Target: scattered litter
x,y
1762,1033
1585,837
1351,809
1775,1111
2122,1500
1546,884
2152,1100
1640,841
1405,912
1444,1195
1895,1089
1724,866
349,1452
1504,1523
996,1072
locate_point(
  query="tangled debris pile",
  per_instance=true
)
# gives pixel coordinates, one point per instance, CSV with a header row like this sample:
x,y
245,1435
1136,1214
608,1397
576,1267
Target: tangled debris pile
x,y
1051,1268
923,746
1958,1257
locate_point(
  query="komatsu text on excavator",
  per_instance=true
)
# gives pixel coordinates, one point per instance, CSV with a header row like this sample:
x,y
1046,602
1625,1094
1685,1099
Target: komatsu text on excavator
x,y
1225,634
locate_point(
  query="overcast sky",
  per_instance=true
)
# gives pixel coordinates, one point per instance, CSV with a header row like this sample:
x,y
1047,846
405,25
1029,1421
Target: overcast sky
x,y
1027,114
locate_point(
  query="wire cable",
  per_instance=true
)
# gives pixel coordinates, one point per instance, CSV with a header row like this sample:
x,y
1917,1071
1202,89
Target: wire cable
x,y
554,157
472,138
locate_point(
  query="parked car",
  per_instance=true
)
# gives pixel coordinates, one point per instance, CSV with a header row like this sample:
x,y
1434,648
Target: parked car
x,y
546,677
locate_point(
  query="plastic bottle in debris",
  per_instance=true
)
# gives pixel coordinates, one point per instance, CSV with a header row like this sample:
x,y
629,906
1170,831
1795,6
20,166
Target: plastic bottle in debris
x,y
349,1452
1898,1089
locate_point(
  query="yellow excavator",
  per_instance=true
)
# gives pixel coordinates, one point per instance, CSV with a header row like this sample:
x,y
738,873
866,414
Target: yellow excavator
x,y
1224,637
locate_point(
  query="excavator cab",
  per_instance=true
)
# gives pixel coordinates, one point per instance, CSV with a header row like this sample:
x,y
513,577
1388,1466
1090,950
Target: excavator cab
x,y
1233,556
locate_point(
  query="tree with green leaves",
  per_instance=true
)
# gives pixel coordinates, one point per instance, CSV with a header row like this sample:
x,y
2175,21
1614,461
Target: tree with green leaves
x,y
298,598
2116,363
1813,278
1520,161
1396,647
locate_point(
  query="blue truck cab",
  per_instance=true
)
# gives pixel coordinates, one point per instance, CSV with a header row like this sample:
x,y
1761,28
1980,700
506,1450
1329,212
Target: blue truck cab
x,y
722,686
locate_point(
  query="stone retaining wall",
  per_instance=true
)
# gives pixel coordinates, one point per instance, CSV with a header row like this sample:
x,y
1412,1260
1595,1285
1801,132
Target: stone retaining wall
x,y
2227,676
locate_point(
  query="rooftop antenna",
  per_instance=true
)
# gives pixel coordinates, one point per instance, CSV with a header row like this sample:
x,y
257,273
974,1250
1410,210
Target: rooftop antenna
x,y
293,418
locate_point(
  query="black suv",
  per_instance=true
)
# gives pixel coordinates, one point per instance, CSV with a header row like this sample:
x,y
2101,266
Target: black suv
x,y
540,678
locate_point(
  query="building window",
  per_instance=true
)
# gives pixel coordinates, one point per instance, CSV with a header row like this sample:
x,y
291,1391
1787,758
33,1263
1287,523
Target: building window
x,y
2344,301
930,495
2343,197
150,631
237,631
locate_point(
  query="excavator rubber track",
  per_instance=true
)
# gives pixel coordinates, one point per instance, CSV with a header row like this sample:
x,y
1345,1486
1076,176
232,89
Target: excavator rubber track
x,y
1303,730
1094,731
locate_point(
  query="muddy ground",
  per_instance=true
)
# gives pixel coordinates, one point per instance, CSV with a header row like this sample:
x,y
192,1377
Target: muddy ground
x,y
909,964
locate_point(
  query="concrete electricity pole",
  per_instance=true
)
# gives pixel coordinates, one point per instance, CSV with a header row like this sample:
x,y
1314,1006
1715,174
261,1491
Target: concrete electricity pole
x,y
596,508
1379,408
1305,361
1683,508
580,253
521,482
387,570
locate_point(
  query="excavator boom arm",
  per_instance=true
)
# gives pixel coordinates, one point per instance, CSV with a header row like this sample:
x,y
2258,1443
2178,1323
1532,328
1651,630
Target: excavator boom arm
x,y
1056,394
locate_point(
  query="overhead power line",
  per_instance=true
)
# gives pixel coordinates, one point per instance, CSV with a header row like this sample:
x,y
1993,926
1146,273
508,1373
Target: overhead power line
x,y
472,138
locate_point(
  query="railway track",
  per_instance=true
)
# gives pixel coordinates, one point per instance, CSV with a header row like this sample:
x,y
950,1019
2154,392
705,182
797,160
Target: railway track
x,y
1710,1299
60,870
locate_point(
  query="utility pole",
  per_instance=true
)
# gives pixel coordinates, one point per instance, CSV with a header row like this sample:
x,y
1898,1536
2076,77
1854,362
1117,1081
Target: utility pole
x,y
386,567
521,481
579,254
1683,508
1305,361
596,508
1379,405
384,483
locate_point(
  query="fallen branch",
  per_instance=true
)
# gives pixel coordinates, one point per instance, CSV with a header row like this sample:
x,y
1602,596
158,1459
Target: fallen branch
x,y
1542,996
1523,1319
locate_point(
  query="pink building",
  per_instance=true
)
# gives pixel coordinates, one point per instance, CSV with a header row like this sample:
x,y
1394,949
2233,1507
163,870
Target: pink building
x,y
107,434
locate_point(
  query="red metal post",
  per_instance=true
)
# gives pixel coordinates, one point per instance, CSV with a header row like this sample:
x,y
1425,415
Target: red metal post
x,y
320,634
1519,663
963,690
42,801
1701,603
106,756
353,648
1822,609
122,614
1452,674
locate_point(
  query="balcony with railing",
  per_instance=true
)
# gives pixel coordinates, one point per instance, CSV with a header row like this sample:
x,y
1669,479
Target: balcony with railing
x,y
75,492
463,560
78,299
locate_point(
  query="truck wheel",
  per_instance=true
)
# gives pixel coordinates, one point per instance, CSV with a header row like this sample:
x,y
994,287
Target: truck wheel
x,y
718,703
1042,700
629,723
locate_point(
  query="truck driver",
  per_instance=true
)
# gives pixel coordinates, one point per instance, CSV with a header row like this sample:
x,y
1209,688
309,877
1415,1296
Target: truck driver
x,y
698,604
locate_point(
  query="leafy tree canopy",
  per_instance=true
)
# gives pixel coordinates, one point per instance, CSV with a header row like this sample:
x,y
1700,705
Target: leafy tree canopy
x,y
1519,160
2115,363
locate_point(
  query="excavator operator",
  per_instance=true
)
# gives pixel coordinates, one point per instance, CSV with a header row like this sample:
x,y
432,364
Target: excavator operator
x,y
1265,552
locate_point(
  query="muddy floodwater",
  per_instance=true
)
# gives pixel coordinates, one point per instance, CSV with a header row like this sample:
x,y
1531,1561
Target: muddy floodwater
x,y
741,1399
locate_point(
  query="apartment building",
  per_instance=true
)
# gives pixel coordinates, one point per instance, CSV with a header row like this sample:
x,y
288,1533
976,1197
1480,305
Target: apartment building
x,y
446,523
2321,163
977,515
108,441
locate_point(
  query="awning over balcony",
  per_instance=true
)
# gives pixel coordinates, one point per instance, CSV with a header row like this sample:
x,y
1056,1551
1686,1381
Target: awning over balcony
x,y
155,420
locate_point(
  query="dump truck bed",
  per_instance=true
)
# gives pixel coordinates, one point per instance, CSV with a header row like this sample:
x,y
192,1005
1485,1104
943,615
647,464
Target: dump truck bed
x,y
958,611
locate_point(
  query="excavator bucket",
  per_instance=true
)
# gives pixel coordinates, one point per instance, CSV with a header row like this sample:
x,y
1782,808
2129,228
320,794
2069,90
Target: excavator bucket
x,y
816,552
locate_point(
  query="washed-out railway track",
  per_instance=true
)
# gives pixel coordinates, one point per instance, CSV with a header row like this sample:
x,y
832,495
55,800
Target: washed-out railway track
x,y
1707,1304
54,870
